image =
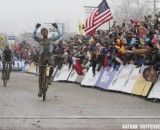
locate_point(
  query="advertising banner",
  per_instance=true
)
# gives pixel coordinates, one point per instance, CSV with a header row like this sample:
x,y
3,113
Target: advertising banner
x,y
32,68
25,68
19,64
63,74
155,92
11,40
107,75
89,79
127,88
79,78
121,78
73,76
147,89
139,85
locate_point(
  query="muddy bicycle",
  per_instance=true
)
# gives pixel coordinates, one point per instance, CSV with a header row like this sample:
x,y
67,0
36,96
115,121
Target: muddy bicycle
x,y
45,80
7,71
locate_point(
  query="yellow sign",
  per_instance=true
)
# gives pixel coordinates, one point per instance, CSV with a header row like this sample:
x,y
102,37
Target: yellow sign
x,y
80,27
1,40
139,85
32,68
146,89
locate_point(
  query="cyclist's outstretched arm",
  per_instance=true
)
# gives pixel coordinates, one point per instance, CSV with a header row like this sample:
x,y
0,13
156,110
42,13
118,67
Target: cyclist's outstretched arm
x,y
34,34
54,38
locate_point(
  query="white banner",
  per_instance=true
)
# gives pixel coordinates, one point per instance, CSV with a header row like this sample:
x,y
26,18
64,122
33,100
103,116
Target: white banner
x,y
121,78
63,74
131,81
89,80
155,92
11,40
73,76
79,78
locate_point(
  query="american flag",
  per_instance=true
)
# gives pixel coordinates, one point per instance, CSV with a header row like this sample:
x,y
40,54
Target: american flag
x,y
98,17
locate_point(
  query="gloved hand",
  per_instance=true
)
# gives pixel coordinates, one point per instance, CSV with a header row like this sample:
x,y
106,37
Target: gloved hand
x,y
54,25
38,25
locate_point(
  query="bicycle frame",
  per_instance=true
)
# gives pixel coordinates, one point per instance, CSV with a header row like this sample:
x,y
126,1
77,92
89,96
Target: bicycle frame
x,y
7,71
44,81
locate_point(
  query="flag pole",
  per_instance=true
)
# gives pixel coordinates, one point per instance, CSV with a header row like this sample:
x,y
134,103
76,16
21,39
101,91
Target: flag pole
x,y
109,25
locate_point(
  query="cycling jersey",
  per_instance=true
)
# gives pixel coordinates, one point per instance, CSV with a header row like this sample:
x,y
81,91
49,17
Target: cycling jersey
x,y
46,43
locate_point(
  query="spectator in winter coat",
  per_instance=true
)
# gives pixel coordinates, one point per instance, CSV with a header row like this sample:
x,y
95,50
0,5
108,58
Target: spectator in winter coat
x,y
93,60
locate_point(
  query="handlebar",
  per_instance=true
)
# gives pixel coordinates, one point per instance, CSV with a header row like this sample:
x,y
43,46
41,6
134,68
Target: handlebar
x,y
9,62
45,65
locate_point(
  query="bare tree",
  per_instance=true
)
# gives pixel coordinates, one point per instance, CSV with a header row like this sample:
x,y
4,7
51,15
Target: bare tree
x,y
127,9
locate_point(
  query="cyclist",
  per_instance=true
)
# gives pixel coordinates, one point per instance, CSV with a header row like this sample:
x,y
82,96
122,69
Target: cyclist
x,y
7,56
46,49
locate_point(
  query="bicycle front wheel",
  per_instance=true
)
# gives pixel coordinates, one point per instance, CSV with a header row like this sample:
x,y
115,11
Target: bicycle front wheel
x,y
5,78
44,95
44,87
5,82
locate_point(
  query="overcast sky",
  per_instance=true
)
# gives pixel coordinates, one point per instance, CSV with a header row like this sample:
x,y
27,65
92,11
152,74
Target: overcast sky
x,y
20,16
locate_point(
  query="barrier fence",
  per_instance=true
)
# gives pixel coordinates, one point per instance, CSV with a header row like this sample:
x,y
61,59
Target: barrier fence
x,y
19,65
126,79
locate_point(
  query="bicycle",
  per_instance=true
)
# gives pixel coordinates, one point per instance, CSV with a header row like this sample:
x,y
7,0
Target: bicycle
x,y
45,81
7,71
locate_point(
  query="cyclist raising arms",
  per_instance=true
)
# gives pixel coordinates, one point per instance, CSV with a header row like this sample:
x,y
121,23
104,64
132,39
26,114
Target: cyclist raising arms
x,y
46,49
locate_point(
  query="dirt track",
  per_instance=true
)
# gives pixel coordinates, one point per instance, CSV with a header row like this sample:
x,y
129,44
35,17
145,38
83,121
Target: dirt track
x,y
69,106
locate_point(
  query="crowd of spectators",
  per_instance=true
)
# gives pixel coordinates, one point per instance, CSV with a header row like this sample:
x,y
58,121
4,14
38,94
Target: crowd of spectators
x,y
26,52
131,42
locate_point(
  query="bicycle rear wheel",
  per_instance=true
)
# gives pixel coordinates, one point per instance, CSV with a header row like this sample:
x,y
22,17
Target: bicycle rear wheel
x,y
44,95
5,82
44,88
5,77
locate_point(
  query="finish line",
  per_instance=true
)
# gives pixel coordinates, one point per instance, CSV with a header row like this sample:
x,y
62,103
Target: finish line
x,y
80,117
